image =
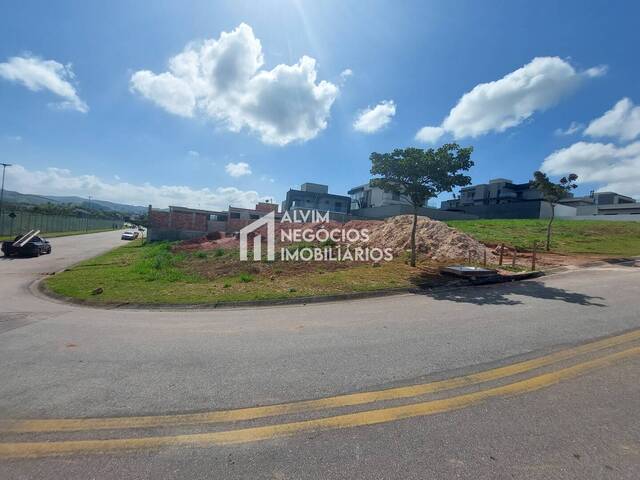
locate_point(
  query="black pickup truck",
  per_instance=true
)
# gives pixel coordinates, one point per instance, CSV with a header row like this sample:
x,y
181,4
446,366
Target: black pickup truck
x,y
35,247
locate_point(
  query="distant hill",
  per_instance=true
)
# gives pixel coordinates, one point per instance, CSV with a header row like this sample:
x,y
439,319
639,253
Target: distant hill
x,y
11,197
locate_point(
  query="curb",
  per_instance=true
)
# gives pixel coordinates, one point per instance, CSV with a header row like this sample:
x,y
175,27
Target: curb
x,y
39,288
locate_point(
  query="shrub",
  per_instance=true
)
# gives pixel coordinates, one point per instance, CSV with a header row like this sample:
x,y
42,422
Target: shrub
x,y
246,278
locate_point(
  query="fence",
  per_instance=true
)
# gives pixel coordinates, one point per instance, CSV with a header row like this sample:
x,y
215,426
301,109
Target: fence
x,y
25,221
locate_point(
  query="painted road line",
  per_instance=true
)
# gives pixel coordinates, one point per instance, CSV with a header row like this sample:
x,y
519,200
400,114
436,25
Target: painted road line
x,y
367,417
347,400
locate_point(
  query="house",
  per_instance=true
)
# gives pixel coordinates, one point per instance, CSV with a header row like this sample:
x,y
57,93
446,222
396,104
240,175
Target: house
x,y
314,196
181,223
604,203
501,198
366,196
374,203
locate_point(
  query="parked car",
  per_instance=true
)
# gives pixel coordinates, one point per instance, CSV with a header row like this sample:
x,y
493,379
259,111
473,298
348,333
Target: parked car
x,y
35,247
129,235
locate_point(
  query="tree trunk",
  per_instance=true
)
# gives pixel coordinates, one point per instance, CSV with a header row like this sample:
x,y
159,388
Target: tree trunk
x,y
413,236
553,214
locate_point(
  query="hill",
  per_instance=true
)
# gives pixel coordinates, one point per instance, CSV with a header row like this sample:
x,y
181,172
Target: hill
x,y
17,198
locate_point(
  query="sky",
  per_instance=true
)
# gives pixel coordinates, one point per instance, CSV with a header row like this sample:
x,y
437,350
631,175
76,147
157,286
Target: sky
x,y
205,104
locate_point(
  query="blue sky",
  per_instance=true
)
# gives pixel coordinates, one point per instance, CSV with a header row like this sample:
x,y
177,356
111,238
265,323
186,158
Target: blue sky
x,y
90,105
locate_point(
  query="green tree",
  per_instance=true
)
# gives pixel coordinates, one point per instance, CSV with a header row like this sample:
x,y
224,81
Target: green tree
x,y
553,193
421,175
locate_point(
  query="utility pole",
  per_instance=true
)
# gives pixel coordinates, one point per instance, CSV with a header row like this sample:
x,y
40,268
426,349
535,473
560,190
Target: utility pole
x,y
4,167
87,225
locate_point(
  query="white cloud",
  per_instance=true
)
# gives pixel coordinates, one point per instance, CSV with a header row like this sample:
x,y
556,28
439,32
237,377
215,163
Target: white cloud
x,y
37,74
222,79
622,122
574,127
193,153
429,134
238,169
373,119
344,75
57,181
615,168
507,102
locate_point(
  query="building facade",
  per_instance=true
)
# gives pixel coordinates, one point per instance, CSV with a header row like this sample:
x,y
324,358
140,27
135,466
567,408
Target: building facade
x,y
314,196
181,223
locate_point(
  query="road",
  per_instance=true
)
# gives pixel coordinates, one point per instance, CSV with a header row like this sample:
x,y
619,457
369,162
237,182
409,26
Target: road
x,y
488,382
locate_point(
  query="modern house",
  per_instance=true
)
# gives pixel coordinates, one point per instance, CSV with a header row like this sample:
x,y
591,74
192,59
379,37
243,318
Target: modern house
x,y
374,203
314,196
603,203
501,198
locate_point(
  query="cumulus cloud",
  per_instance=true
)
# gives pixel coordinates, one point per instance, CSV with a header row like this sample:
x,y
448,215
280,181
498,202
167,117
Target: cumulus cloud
x,y
238,169
622,122
370,120
573,128
223,79
37,74
429,134
507,102
617,168
57,181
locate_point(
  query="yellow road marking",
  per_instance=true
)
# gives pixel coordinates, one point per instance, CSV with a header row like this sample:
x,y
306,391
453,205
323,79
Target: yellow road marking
x,y
250,413
370,417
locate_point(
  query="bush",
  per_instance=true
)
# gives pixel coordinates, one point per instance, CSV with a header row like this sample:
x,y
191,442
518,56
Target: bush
x,y
246,278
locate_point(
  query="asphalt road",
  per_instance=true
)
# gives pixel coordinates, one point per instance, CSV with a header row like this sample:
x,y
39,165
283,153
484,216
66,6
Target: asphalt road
x,y
140,375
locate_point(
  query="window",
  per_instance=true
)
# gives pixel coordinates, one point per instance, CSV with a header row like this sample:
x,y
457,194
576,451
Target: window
x,y
395,196
338,205
234,215
254,216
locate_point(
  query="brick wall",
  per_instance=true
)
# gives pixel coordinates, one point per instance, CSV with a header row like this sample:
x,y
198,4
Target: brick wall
x,y
159,219
266,207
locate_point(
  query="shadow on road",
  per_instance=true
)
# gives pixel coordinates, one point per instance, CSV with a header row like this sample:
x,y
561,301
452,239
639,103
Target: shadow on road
x,y
502,294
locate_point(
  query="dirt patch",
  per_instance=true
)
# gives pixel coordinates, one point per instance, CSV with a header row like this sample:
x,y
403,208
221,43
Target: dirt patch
x,y
436,240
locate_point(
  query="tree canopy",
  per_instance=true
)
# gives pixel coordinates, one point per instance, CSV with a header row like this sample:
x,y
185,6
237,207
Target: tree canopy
x,y
421,174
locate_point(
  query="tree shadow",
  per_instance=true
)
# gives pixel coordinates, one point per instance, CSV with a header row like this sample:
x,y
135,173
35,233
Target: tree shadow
x,y
501,294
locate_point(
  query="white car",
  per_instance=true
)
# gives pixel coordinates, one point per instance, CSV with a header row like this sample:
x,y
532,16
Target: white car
x,y
129,235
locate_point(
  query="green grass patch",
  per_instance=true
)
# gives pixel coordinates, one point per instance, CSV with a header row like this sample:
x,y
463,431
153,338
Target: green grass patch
x,y
569,236
153,273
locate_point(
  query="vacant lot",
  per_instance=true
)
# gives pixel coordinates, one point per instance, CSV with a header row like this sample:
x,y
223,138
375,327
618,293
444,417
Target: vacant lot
x,y
211,272
569,236
154,273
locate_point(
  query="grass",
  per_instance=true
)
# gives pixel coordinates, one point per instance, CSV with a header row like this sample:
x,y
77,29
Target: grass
x,y
61,234
155,273
569,236
152,273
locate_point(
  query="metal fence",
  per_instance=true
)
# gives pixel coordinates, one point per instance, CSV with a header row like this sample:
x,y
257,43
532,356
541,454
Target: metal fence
x,y
21,222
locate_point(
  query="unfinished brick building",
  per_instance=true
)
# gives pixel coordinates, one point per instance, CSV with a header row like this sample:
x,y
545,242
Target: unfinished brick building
x,y
181,223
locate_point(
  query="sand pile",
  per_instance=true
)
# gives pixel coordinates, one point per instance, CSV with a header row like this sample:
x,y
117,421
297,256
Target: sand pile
x,y
435,239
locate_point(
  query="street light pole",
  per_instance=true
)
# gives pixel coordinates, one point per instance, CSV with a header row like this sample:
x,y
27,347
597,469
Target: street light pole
x,y
4,167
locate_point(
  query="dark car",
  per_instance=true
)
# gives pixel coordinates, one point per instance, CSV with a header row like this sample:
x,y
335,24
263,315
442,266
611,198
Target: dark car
x,y
35,247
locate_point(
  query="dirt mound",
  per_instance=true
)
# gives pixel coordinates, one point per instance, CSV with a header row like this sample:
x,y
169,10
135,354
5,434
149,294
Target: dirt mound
x,y
203,243
435,239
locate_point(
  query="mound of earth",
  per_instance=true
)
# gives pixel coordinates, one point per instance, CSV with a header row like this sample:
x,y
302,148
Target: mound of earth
x,y
435,239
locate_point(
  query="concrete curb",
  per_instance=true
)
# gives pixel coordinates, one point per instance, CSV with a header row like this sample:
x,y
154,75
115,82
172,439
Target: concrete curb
x,y
39,288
